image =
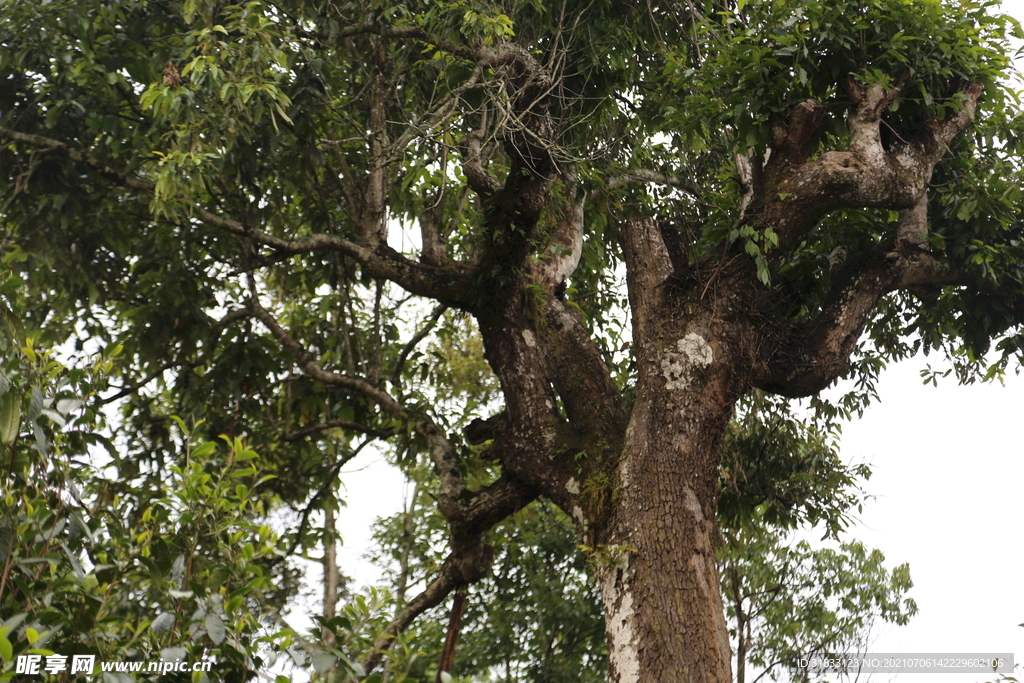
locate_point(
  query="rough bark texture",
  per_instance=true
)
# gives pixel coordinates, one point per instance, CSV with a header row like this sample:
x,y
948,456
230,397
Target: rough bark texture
x,y
659,583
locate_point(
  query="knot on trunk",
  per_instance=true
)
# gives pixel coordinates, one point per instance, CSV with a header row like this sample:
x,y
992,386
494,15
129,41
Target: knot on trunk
x,y
473,559
478,431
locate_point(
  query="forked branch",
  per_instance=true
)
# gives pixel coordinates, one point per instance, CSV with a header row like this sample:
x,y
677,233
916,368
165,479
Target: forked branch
x,y
868,174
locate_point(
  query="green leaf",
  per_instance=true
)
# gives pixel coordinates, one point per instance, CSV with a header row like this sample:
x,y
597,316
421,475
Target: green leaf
x,y
204,449
323,661
10,417
181,425
215,628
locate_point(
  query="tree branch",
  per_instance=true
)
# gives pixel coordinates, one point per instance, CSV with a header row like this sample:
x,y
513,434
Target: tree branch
x,y
449,284
469,556
435,118
817,351
444,582
81,157
867,103
793,141
452,636
648,264
446,462
307,361
435,315
336,424
642,175
441,451
592,400
468,514
481,510
332,474
372,219
912,227
564,249
132,388
477,177
868,174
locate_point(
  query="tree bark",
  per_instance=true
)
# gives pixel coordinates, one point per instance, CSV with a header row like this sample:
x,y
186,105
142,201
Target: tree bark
x,y
659,582
330,575
655,544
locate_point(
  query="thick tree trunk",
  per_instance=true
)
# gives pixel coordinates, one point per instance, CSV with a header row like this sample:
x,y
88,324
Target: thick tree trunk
x,y
659,582
654,531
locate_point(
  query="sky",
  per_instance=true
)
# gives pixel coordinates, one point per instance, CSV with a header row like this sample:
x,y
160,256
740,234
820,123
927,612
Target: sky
x,y
948,465
948,497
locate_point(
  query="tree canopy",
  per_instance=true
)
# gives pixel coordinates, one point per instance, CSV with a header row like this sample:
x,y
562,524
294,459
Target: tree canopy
x,y
569,264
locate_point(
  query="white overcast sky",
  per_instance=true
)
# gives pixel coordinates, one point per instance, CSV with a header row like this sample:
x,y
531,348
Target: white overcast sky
x,y
948,481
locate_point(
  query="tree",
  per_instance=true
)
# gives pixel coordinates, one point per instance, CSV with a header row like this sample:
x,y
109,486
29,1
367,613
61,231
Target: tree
x,y
538,617
788,602
111,570
798,192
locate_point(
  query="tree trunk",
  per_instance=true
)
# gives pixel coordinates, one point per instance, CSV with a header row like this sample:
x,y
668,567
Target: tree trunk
x,y
659,582
330,574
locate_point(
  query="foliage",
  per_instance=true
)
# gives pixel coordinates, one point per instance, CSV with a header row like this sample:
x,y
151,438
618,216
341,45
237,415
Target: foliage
x,y
769,56
294,228
791,601
112,568
785,473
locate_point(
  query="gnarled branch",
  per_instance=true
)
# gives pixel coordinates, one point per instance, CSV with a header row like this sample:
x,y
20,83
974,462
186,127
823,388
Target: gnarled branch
x,y
868,174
